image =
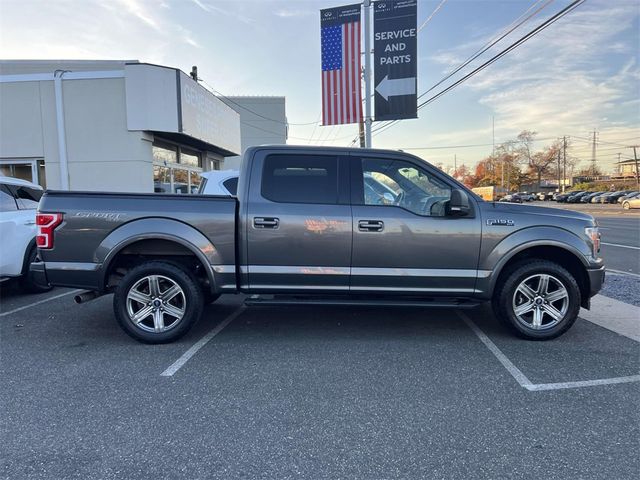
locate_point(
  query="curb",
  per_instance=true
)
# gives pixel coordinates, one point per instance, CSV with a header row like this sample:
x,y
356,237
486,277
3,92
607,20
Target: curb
x,y
614,315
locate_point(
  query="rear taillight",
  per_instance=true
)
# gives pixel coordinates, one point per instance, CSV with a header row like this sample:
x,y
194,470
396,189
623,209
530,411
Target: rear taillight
x,y
47,223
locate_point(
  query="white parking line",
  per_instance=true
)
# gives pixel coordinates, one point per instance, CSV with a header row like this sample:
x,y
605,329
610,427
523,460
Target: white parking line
x,y
620,246
19,309
178,364
521,378
622,272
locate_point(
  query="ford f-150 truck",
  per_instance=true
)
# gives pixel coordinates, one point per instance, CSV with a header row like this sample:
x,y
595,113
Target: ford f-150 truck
x,y
320,225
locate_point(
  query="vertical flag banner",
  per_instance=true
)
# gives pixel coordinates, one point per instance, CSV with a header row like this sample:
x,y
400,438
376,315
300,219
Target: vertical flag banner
x,y
395,58
341,83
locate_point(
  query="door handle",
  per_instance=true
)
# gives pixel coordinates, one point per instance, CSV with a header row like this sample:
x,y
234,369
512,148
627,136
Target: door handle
x,y
266,222
370,225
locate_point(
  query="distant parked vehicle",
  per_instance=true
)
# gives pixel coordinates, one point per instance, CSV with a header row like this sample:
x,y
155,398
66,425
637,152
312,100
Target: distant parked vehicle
x,y
563,197
18,203
576,198
613,198
512,198
628,197
631,203
545,196
594,197
526,197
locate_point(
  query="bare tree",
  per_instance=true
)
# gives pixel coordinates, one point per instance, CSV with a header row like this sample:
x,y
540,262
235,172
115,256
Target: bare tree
x,y
539,163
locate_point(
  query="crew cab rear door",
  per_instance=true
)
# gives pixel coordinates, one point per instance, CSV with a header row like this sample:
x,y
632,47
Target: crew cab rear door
x,y
298,225
403,240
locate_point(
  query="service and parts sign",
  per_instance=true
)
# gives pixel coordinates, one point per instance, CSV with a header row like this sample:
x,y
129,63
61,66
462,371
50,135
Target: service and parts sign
x,y
395,58
206,117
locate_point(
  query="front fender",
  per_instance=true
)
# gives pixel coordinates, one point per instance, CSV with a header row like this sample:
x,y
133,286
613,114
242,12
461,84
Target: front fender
x,y
495,260
158,228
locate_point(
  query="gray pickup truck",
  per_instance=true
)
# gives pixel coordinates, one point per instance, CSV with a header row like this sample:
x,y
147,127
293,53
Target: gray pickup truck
x,y
321,225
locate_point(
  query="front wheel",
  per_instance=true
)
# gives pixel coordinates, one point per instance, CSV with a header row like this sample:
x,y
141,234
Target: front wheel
x,y
626,205
157,302
538,299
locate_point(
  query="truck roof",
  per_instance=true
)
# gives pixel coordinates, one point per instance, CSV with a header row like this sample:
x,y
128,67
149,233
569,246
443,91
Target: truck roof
x,y
325,149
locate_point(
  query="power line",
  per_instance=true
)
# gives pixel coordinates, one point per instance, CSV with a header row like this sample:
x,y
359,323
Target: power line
x,y
515,24
496,57
424,24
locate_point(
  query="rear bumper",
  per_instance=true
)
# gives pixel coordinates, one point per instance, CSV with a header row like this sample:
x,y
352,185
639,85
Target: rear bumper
x,y
39,274
59,274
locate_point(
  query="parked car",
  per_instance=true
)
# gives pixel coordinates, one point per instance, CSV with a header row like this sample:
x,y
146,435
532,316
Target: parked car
x,y
613,198
578,197
526,197
631,203
593,198
628,197
562,197
545,196
18,203
302,230
219,182
512,198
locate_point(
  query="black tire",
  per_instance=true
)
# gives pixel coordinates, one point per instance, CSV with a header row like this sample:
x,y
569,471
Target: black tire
x,y
189,301
27,281
504,299
626,205
210,297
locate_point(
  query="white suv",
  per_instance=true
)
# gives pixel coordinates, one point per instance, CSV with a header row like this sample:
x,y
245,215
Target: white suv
x,y
18,203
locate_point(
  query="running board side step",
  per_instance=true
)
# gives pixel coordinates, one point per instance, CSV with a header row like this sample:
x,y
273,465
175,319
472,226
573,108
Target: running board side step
x,y
283,300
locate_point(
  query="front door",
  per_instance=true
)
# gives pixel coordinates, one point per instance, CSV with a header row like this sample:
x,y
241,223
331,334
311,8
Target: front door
x,y
403,240
299,223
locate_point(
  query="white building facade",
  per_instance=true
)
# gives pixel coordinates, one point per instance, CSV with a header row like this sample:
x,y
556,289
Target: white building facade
x,y
120,126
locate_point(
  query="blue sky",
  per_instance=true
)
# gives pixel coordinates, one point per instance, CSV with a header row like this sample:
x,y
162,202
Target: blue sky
x,y
581,73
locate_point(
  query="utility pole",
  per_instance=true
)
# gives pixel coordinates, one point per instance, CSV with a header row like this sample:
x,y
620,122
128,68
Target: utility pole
x,y
367,72
361,133
564,163
635,156
455,164
559,172
593,154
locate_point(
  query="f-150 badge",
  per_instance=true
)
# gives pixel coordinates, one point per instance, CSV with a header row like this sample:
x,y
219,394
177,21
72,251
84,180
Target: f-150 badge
x,y
501,222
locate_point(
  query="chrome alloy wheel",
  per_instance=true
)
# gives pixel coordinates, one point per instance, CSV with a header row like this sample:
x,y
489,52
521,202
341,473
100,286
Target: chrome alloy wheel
x,y
540,302
156,303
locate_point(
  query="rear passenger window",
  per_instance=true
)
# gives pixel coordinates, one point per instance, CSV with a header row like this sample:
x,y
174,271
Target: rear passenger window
x,y
231,184
300,179
26,197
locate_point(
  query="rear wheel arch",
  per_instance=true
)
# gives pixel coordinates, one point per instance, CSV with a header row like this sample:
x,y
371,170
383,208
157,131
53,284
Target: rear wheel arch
x,y
135,251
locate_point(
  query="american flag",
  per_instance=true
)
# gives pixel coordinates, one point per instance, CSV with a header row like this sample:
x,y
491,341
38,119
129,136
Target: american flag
x,y
341,84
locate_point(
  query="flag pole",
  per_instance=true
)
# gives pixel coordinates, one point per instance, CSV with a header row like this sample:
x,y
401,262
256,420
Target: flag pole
x,y
367,73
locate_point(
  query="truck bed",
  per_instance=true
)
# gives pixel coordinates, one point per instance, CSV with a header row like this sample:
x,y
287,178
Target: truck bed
x,y
96,223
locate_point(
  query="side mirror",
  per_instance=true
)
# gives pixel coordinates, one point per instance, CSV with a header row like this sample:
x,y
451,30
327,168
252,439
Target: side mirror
x,y
458,204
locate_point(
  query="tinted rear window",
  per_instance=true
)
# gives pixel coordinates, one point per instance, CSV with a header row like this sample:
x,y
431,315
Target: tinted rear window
x,y
300,179
26,197
231,184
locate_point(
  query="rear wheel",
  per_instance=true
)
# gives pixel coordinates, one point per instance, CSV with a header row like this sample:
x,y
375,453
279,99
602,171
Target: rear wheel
x,y
538,299
157,302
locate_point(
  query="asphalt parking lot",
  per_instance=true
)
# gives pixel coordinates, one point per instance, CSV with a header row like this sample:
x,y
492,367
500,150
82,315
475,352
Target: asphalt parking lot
x,y
309,392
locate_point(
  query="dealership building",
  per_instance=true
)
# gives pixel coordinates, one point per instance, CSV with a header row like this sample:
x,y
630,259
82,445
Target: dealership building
x,y
123,126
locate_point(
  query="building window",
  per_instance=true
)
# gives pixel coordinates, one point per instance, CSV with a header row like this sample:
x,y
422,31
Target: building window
x,y
176,169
